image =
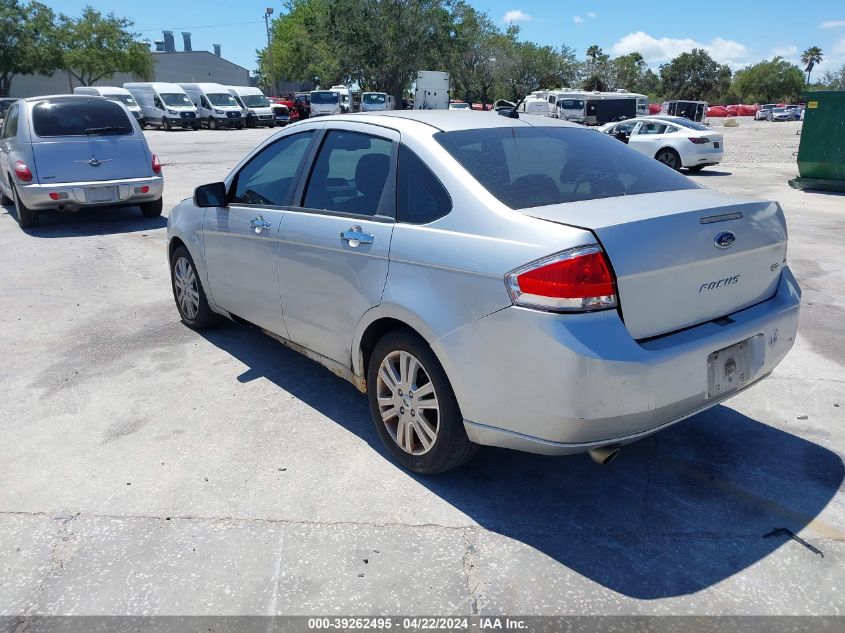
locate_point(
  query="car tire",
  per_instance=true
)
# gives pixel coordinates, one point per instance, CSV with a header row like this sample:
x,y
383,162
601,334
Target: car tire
x,y
27,218
193,308
152,209
4,199
212,124
669,157
165,124
239,126
696,168
402,426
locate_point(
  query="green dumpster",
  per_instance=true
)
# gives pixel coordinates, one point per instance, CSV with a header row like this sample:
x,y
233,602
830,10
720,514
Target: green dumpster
x,y
821,154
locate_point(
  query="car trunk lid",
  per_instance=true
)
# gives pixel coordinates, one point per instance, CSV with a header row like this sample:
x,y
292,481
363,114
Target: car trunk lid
x,y
673,256
91,158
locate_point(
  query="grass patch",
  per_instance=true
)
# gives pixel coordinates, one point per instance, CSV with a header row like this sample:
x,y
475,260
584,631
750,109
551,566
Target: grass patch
x,y
731,123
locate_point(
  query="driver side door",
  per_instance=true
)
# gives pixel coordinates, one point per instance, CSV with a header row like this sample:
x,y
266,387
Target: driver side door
x,y
241,241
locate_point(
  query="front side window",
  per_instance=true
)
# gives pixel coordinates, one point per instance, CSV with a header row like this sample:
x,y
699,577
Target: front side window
x,y
533,166
268,179
350,173
157,102
421,198
74,117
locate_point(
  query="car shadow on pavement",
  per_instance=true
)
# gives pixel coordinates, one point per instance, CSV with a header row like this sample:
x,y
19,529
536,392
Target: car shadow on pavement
x,y
88,222
709,172
676,513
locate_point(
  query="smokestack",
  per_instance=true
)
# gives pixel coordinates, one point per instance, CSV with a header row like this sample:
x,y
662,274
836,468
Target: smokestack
x,y
186,39
159,45
169,45
217,49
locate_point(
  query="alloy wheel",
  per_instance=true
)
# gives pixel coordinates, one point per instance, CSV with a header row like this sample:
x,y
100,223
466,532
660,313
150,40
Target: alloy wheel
x,y
407,402
668,159
187,291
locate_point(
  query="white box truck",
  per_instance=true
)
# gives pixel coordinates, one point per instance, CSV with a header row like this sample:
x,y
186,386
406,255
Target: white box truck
x,y
432,90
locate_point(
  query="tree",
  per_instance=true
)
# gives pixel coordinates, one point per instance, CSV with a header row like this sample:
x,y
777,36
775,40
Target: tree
x,y
96,47
28,42
834,80
769,81
810,58
696,76
473,49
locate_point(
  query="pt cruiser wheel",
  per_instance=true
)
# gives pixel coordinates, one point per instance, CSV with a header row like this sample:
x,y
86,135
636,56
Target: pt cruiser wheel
x,y
188,292
413,406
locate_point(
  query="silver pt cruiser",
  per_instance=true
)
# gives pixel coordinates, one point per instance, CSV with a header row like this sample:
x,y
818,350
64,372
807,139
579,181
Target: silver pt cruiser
x,y
524,283
69,152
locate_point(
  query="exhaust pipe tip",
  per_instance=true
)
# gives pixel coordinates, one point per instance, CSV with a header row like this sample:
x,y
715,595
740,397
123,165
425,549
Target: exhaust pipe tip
x,y
603,455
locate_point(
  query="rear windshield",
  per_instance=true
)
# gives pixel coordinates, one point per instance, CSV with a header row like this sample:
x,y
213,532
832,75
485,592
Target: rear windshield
x,y
325,97
176,99
372,98
534,166
78,118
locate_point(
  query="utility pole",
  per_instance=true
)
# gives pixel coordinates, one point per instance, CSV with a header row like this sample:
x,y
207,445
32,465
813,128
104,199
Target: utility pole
x,y
267,15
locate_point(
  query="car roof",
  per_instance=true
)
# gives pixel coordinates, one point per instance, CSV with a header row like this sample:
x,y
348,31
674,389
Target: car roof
x,y
450,121
57,97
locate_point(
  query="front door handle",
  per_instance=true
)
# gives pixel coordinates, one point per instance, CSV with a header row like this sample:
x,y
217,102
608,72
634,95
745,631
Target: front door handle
x,y
259,224
355,236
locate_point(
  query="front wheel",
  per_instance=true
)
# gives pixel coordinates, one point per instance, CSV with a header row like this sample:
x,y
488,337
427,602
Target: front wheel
x,y
165,124
152,209
188,292
212,123
27,218
670,158
413,406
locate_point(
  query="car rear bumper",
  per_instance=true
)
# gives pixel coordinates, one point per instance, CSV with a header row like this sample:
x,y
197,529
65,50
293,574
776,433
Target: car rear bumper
x,y
75,195
558,384
711,156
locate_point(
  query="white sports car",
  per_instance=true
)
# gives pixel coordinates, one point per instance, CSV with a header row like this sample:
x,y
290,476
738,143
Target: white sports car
x,y
674,141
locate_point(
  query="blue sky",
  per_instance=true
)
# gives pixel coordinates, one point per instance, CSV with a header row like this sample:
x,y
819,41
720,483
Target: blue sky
x,y
735,32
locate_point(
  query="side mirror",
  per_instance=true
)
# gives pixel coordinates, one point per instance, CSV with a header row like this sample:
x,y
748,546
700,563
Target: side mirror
x,y
213,195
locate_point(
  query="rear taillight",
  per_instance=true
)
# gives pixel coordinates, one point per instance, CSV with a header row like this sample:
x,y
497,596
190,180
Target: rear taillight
x,y
22,172
156,165
575,280
698,140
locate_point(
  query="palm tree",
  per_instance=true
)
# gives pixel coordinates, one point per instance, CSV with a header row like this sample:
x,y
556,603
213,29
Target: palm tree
x,y
594,52
810,58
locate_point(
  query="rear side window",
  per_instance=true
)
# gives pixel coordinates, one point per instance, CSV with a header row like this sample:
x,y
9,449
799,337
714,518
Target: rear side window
x,y
421,197
268,178
534,166
78,117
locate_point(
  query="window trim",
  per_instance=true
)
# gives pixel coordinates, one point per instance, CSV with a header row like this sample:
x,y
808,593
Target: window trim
x,y
297,176
386,196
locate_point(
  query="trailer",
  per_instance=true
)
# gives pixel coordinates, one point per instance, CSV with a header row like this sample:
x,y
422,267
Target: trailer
x,y
431,91
692,110
600,111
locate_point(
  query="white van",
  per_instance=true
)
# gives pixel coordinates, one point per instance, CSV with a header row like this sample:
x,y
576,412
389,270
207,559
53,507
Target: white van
x,y
325,102
115,93
165,105
375,101
255,106
216,107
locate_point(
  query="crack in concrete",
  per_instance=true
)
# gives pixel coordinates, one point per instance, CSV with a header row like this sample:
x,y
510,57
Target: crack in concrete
x,y
470,568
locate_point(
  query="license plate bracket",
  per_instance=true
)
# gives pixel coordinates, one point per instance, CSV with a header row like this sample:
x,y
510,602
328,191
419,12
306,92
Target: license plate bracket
x,y
101,194
729,369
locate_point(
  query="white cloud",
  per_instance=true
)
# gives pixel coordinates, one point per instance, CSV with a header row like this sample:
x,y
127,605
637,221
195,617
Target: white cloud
x,y
832,24
839,48
592,15
577,19
658,50
516,16
785,51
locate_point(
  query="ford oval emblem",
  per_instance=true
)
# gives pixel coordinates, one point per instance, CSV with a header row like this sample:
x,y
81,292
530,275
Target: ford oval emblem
x,y
725,239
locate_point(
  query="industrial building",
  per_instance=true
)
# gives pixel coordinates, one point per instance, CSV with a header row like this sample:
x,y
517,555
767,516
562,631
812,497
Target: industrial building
x,y
171,65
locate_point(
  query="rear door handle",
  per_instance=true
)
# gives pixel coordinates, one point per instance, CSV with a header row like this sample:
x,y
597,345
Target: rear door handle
x,y
259,224
355,236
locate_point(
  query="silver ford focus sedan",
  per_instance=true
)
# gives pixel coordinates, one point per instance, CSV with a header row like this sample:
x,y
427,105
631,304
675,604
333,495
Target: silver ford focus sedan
x,y
68,152
525,283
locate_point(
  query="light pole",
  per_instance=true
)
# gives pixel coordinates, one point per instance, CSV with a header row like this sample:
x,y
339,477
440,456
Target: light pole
x,y
267,13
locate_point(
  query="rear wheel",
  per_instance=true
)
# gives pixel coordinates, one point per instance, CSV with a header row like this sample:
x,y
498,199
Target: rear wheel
x,y
165,124
152,209
413,406
188,292
670,158
27,218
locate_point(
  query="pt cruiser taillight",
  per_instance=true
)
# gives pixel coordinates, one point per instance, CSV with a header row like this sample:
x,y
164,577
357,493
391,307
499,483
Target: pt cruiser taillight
x,y
575,280
156,165
22,172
